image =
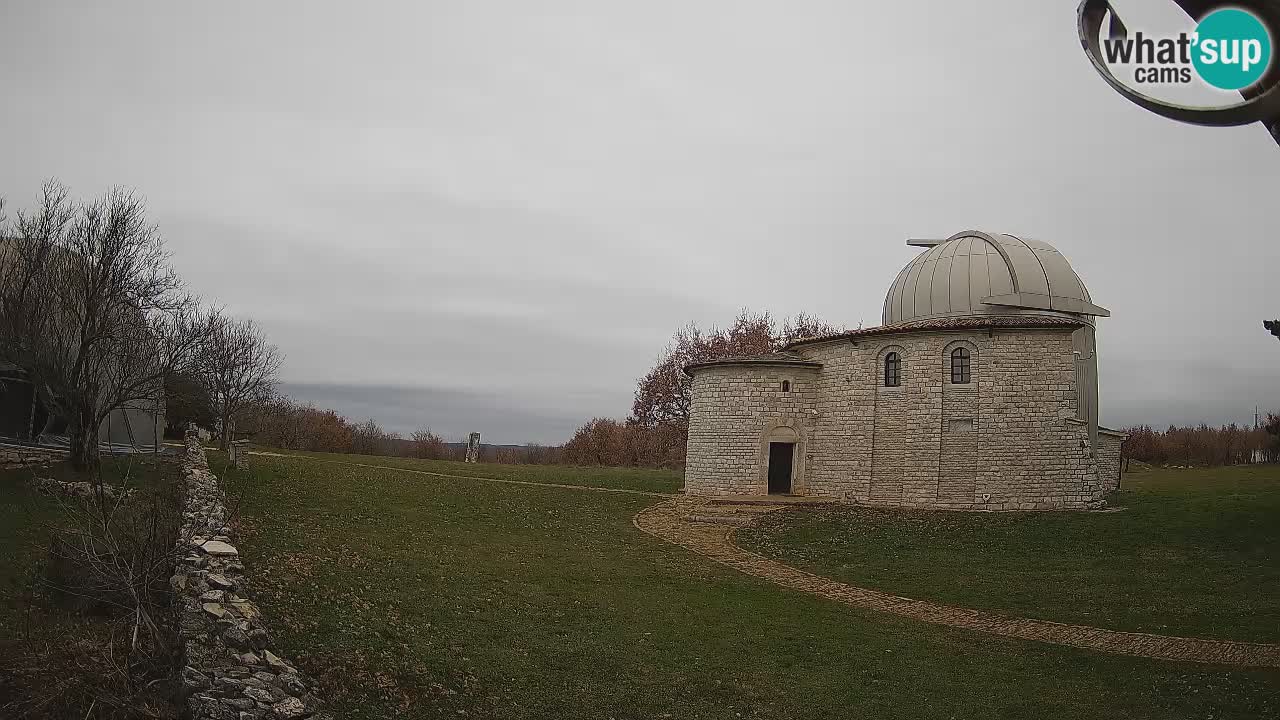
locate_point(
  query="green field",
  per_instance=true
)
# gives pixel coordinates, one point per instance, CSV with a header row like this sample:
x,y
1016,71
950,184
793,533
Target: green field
x,y
26,520
58,660
1193,552
660,481
417,596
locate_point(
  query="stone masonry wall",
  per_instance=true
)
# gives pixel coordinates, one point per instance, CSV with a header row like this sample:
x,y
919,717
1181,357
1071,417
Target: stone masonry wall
x,y
1008,440
231,672
1033,453
734,409
1109,445
17,456
960,453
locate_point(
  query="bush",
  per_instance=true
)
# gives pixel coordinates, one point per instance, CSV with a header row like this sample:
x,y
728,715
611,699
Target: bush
x,y
607,442
429,446
109,562
87,670
285,424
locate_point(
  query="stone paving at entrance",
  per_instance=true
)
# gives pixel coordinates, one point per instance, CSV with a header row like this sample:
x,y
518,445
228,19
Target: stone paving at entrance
x,y
707,530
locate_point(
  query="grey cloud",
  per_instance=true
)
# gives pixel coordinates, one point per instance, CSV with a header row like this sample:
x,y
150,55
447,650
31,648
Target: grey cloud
x,y
452,414
514,206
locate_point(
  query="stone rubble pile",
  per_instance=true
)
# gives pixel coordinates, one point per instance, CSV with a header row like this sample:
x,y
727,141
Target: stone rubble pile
x,y
16,456
52,486
231,670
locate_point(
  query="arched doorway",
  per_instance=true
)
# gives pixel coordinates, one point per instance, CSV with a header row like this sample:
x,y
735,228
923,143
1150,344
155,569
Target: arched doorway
x,y
782,443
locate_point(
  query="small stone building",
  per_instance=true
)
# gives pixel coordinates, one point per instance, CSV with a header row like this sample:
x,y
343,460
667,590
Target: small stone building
x,y
979,391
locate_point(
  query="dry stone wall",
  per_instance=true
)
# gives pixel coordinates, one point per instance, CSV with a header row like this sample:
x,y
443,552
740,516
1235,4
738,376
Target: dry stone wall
x,y
19,456
232,671
63,488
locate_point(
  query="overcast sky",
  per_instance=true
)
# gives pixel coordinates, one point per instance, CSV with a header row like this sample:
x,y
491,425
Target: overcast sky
x,y
492,216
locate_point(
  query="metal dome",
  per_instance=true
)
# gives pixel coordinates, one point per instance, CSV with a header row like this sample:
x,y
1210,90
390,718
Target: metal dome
x,y
978,273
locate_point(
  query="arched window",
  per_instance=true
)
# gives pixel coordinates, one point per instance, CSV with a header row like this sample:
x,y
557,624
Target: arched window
x,y
892,370
786,386
960,366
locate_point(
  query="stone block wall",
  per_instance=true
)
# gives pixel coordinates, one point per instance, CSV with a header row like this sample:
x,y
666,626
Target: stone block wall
x,y
1008,440
734,409
1110,443
232,671
959,451
1034,454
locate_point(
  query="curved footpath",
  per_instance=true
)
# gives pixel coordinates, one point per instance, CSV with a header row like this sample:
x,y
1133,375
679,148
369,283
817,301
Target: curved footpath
x,y
671,522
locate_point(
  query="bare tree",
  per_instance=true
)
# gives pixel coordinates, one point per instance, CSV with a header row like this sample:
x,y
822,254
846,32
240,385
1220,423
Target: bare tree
x,y
240,367
92,311
368,438
429,446
187,400
664,395
803,326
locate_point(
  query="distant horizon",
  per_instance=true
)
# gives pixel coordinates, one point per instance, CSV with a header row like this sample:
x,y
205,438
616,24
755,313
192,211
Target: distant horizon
x,y
450,414
442,405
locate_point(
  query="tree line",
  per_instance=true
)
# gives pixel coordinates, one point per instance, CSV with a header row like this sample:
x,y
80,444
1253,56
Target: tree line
x,y
95,321
655,435
95,318
282,422
1203,445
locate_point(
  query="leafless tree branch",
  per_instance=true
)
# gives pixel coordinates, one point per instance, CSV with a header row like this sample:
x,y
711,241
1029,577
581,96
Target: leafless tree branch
x,y
91,309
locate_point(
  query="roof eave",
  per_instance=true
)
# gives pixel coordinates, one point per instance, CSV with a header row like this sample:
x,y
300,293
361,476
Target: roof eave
x,y
1030,324
807,364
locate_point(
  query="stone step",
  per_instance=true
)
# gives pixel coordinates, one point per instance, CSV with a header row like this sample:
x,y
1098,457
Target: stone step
x,y
723,519
713,509
767,501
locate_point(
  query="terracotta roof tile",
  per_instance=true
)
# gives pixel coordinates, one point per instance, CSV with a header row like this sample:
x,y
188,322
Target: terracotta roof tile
x,y
955,323
776,358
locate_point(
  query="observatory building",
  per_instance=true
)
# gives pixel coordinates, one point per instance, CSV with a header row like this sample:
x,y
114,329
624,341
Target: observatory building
x,y
979,392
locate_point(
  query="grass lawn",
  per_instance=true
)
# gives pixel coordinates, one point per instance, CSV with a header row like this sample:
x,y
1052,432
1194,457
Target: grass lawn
x,y
57,661
1194,552
660,481
26,519
422,597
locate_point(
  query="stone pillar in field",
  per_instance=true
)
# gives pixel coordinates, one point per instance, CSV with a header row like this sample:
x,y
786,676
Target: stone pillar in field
x,y
239,454
473,447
